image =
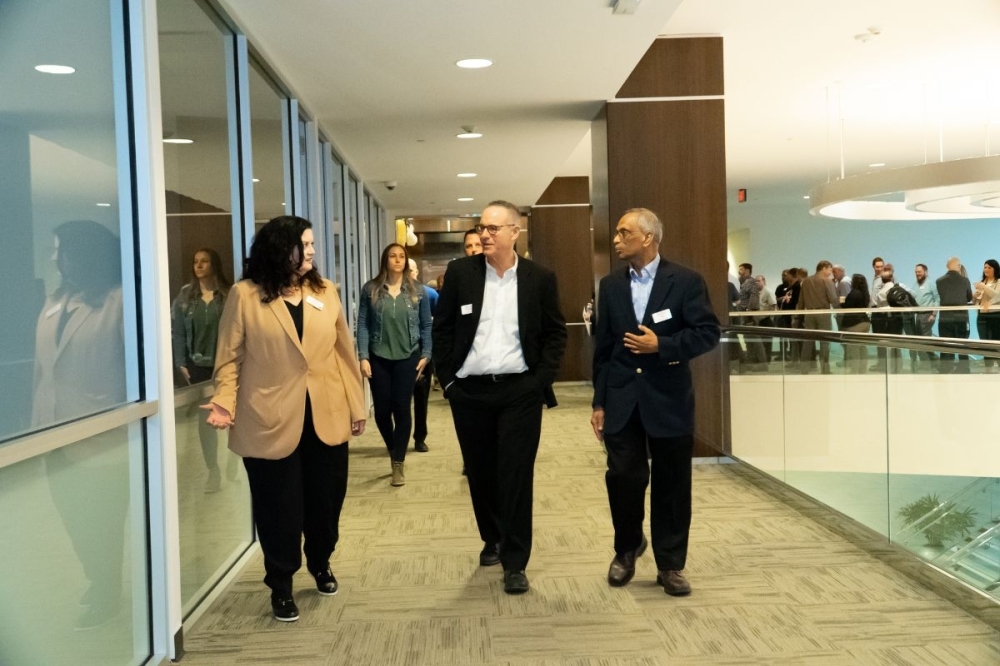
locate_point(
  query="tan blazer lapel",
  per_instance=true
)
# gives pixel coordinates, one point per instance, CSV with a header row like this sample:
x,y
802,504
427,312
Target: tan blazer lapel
x,y
280,311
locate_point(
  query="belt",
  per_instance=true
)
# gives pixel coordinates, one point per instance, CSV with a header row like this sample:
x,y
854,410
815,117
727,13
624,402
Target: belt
x,y
496,379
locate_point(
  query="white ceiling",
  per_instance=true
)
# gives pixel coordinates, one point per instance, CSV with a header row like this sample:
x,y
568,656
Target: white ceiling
x,y
380,78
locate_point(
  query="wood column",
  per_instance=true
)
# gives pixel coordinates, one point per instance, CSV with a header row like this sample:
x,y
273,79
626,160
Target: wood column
x,y
560,241
665,150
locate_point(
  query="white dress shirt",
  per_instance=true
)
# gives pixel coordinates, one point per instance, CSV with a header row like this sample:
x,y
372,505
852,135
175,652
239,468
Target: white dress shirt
x,y
642,286
496,349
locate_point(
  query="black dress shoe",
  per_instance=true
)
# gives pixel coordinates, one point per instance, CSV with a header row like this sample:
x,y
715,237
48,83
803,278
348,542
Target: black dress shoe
x,y
674,583
489,555
622,567
326,583
420,447
283,607
515,582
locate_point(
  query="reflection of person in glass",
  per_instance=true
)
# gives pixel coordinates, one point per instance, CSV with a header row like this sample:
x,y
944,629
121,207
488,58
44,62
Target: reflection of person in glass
x,y
79,371
194,323
394,343
287,384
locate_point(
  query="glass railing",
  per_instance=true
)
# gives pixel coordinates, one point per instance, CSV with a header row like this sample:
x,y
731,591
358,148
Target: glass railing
x,y
897,432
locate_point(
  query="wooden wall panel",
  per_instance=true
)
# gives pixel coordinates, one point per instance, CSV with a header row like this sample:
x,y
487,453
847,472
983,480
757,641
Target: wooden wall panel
x,y
560,241
566,190
669,156
675,67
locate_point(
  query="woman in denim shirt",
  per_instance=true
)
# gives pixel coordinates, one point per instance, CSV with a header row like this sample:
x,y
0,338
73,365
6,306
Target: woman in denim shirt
x,y
394,344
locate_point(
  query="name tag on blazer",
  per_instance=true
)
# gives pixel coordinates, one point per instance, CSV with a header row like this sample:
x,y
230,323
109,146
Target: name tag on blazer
x,y
662,315
315,302
467,309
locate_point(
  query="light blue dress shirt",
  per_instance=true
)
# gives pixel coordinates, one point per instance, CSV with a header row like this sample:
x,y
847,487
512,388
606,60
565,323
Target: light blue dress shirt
x,y
642,287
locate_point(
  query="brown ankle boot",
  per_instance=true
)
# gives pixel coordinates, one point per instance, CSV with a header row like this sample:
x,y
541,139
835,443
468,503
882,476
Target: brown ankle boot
x,y
398,478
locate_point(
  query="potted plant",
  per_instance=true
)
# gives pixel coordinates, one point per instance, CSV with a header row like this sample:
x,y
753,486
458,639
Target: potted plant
x,y
947,523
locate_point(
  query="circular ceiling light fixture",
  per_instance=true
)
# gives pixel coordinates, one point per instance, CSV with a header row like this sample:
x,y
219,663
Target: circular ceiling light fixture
x,y
469,132
465,199
104,205
179,141
952,190
467,175
54,69
875,165
474,63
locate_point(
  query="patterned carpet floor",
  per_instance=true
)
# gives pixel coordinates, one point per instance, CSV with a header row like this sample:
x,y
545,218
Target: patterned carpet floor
x,y
770,586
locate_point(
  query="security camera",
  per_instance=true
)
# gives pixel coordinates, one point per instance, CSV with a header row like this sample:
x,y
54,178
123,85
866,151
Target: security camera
x,y
390,185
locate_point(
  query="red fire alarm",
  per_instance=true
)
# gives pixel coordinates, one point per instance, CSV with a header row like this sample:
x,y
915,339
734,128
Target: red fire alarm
x,y
741,195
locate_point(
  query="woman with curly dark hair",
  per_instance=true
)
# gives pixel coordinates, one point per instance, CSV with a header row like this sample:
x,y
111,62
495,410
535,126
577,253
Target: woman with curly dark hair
x,y
285,366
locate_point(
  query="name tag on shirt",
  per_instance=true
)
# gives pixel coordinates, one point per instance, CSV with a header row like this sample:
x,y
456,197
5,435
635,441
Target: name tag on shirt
x,y
467,309
315,302
662,315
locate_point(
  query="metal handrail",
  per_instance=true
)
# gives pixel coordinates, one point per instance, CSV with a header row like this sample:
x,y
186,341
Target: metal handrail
x,y
890,340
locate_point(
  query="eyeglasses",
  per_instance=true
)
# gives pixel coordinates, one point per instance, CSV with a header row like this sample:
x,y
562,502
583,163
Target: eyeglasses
x,y
491,228
625,233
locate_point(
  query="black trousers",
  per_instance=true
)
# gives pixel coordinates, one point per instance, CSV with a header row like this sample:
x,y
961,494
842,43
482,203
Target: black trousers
x,y
954,329
988,327
421,396
392,392
670,498
300,494
498,426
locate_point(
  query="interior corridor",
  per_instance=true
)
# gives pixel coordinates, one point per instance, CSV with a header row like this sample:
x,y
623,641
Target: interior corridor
x,y
770,586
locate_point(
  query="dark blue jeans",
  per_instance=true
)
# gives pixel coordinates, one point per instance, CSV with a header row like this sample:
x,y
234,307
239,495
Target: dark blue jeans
x,y
392,392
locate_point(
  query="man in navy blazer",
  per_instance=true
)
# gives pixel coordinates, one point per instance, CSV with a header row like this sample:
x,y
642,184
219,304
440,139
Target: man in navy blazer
x,y
653,317
498,341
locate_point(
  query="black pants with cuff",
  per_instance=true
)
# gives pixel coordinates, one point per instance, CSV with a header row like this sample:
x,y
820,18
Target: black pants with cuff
x,y
499,425
295,496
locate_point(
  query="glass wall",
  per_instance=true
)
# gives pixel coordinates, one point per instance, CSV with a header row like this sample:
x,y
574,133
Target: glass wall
x,y
353,242
267,108
214,510
333,174
884,433
74,587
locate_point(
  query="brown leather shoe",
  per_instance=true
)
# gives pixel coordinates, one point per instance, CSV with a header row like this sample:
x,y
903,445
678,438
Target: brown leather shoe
x,y
674,583
622,567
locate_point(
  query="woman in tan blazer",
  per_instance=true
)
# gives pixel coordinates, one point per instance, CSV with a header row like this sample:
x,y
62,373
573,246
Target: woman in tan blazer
x,y
288,386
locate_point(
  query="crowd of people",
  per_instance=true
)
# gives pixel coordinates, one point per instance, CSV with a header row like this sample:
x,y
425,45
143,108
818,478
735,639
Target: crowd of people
x,y
829,288
285,365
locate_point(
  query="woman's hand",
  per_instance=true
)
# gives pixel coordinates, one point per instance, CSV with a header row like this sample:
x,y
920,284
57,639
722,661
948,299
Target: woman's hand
x,y
185,373
218,417
358,427
421,364
366,370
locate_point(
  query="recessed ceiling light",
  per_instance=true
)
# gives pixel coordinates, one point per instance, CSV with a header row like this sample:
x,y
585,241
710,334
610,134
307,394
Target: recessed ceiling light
x,y
474,63
465,198
469,132
256,180
805,196
178,141
104,205
875,165
54,69
467,175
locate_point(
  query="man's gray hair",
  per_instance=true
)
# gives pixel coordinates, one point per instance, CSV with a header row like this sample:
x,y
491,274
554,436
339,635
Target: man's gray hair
x,y
513,211
761,278
648,222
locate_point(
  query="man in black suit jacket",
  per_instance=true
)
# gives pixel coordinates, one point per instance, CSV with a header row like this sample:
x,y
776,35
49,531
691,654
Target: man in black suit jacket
x,y
498,340
653,317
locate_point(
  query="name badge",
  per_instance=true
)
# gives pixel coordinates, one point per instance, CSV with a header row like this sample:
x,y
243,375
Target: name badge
x,y
54,309
662,315
315,302
467,309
